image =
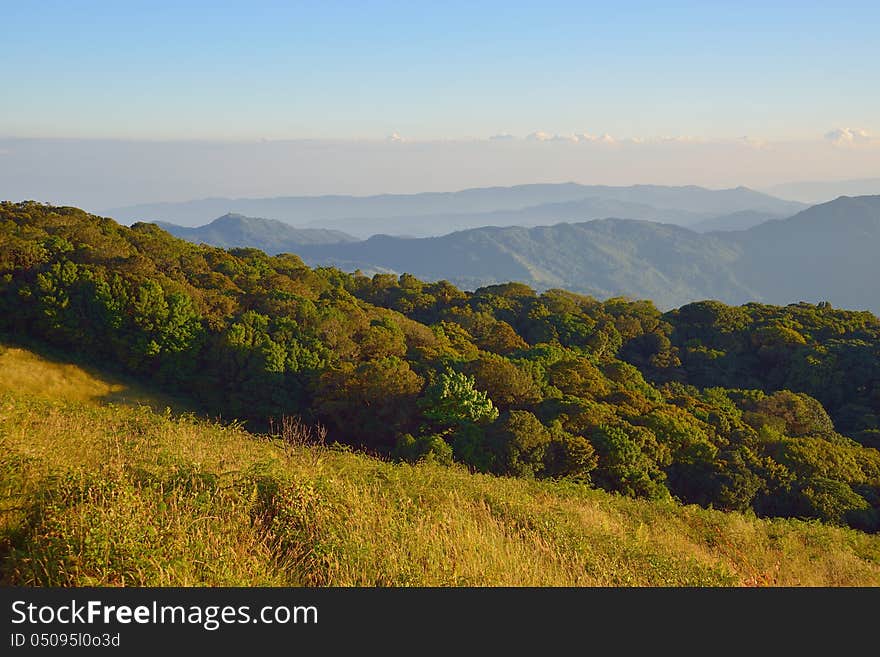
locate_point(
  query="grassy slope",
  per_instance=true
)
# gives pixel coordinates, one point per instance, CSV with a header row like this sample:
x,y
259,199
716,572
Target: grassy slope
x,y
120,494
47,376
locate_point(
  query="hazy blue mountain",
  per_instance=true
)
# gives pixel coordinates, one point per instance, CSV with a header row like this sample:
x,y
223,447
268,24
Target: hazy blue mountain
x,y
698,200
422,210
825,253
608,257
269,235
536,215
305,209
819,191
741,220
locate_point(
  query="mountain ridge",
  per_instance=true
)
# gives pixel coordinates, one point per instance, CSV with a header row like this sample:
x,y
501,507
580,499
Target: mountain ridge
x,y
615,256
235,230
302,210
673,265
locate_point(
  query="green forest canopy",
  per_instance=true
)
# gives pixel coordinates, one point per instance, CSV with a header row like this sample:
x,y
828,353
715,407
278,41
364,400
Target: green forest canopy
x,y
768,408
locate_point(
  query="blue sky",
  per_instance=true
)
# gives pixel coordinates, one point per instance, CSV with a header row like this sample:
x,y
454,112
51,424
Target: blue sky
x,y
438,70
104,104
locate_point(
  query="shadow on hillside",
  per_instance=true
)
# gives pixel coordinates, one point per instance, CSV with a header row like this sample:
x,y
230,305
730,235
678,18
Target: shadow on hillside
x,y
112,386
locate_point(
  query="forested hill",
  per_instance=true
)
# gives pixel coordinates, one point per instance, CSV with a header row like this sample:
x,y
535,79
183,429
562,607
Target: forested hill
x,y
768,408
609,257
232,230
827,252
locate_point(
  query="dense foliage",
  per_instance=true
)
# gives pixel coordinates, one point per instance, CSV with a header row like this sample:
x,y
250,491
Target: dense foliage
x,y
734,407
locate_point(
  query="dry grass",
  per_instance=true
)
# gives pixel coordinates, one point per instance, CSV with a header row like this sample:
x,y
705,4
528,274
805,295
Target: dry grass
x,y
122,495
24,372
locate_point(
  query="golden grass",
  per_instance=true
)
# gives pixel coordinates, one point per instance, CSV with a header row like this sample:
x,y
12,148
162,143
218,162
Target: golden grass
x,y
121,495
25,372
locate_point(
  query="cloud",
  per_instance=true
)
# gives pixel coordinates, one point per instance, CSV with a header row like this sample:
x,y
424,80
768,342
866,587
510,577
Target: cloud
x,y
754,142
540,135
849,136
680,139
578,137
502,137
394,137
610,140
603,139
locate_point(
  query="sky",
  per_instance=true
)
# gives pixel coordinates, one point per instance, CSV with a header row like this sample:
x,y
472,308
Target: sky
x,y
779,91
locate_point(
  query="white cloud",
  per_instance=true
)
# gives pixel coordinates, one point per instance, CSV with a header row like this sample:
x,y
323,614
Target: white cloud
x,y
540,135
605,139
680,139
849,136
394,137
578,137
754,142
838,137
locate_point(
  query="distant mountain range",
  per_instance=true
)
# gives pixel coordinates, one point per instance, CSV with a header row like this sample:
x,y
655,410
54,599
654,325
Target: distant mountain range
x,y
438,213
604,258
742,220
818,191
828,252
269,235
546,214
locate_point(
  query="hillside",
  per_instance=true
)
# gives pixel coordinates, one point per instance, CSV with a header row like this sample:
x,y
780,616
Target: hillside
x,y
604,258
49,376
233,230
96,494
773,410
368,215
825,253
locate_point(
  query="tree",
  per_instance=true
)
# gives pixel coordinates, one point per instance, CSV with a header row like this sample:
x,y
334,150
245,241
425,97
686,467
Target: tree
x,y
519,442
500,338
432,448
369,404
802,415
569,455
623,466
452,400
829,500
578,377
506,384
